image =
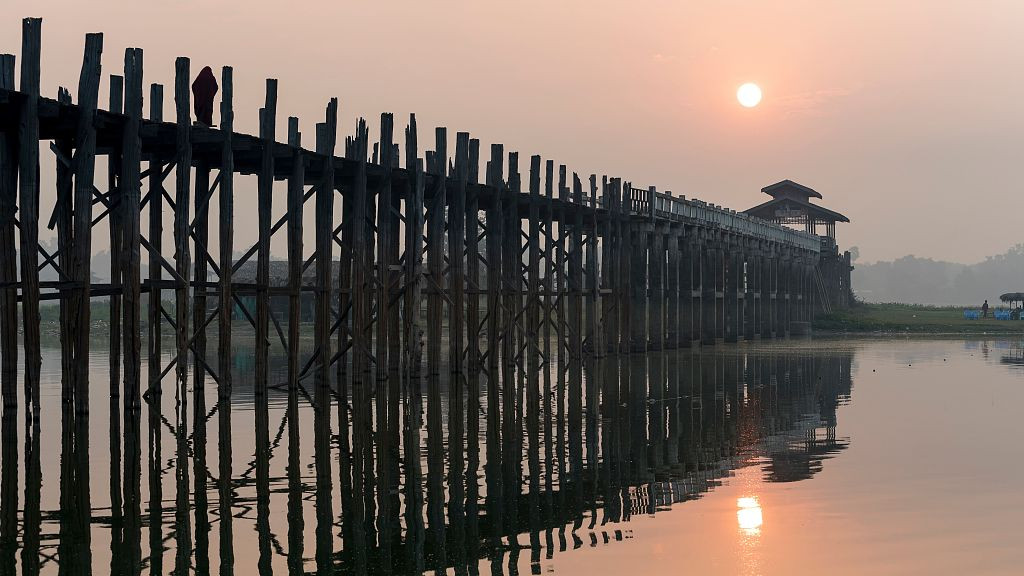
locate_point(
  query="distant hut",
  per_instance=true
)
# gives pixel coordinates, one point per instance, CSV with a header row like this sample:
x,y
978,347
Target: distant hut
x,y
1013,298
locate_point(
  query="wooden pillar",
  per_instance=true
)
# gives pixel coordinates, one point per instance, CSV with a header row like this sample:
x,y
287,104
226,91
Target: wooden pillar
x,y
115,219
731,291
156,230
131,190
656,293
227,235
183,170
200,269
593,274
673,294
575,333
265,189
609,266
456,338
750,296
689,285
511,266
473,367
637,264
532,332
494,242
413,421
28,204
708,297
386,229
438,164
296,184
8,265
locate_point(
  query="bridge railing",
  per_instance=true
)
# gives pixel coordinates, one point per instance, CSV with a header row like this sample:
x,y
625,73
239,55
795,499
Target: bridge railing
x,y
655,204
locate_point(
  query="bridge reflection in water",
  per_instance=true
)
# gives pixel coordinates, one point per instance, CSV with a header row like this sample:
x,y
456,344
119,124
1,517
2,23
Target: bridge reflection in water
x,y
248,485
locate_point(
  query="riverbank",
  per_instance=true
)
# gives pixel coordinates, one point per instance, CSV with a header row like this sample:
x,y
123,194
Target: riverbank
x,y
911,319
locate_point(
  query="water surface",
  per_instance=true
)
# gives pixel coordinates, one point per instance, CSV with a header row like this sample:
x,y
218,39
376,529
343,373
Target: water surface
x,y
796,457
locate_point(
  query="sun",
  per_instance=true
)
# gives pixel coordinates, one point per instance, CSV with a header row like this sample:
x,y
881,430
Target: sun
x,y
749,95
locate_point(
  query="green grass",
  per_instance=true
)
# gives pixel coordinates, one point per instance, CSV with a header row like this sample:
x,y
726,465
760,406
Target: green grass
x,y
912,318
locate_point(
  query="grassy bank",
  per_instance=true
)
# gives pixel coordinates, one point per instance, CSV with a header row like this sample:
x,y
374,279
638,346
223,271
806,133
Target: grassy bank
x,y
911,318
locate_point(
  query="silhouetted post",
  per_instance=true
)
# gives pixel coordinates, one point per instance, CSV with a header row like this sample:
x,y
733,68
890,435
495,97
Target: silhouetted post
x,y
731,298
750,296
707,292
131,279
511,267
456,340
575,334
532,343
117,261
362,474
495,276
473,360
412,391
593,274
689,288
28,199
296,181
265,189
183,171
8,265
156,204
437,163
326,134
227,235
386,225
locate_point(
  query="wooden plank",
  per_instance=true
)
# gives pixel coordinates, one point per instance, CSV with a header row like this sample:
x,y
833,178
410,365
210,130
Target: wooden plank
x,y
28,204
265,190
156,231
8,265
183,173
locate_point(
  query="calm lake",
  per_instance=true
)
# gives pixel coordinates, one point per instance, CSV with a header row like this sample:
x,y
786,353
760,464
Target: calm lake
x,y
793,457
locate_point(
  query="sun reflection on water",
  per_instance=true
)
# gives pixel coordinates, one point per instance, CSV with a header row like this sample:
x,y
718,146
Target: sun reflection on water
x,y
749,515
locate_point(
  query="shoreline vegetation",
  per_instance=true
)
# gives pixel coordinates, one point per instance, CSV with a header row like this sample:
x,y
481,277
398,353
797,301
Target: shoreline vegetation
x,y
864,318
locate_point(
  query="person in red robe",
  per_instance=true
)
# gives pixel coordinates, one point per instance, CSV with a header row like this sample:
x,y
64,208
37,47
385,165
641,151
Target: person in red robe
x,y
203,91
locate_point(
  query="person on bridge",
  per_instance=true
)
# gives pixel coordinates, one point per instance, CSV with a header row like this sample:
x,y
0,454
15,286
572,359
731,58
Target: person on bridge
x,y
984,309
203,91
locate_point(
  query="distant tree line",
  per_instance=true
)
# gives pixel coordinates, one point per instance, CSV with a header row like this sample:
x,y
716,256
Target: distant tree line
x,y
914,280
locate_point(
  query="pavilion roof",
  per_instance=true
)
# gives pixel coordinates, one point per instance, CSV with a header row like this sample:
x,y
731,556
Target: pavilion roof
x,y
766,210
774,190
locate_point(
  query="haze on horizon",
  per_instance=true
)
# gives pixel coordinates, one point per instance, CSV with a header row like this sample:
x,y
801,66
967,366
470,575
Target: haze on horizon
x,y
905,116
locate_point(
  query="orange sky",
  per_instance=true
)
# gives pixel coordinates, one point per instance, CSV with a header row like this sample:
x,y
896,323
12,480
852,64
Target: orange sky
x,y
905,116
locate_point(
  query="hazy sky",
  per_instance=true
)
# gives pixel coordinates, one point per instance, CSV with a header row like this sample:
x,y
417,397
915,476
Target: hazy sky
x,y
906,115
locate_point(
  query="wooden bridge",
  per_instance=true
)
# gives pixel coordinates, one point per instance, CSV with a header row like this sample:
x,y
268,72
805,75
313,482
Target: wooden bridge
x,y
499,264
